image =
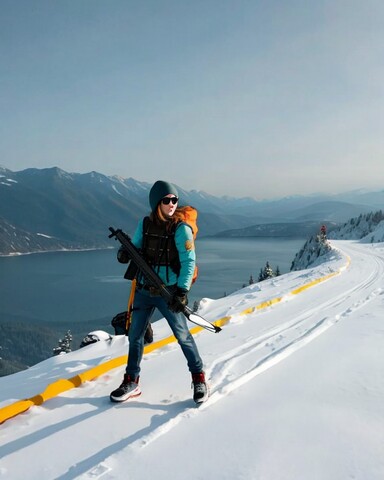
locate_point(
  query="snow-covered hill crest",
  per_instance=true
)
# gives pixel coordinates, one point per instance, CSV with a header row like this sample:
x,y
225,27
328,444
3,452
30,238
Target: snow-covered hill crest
x,y
368,228
314,252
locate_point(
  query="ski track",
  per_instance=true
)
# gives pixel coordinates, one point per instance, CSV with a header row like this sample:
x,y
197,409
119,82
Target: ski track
x,y
241,364
256,355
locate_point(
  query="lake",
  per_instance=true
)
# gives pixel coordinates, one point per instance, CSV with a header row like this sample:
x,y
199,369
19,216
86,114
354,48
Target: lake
x,y
89,285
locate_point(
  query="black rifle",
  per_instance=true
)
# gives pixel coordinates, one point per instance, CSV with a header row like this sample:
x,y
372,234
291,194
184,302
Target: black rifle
x,y
155,281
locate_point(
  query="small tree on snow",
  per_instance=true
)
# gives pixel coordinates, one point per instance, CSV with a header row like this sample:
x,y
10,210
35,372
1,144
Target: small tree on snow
x,y
268,272
64,344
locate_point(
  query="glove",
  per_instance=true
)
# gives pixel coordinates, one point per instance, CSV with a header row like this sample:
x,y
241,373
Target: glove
x,y
123,255
179,300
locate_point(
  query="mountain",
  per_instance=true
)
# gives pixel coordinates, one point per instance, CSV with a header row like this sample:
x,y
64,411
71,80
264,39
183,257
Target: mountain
x,y
13,239
51,209
69,207
294,229
329,211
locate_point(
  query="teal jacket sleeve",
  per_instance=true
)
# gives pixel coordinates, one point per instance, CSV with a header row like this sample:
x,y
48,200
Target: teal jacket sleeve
x,y
137,238
186,247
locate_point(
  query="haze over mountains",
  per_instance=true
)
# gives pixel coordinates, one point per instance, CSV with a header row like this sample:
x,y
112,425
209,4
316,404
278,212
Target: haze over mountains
x,y
50,209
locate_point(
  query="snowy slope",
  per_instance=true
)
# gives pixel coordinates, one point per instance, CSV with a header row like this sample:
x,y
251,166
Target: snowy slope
x,y
297,391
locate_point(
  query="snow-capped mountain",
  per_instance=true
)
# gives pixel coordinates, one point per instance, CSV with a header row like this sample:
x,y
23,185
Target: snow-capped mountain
x,y
75,210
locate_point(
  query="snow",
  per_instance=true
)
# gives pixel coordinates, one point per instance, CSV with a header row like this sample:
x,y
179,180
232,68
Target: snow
x,y
7,182
116,190
296,381
377,235
44,235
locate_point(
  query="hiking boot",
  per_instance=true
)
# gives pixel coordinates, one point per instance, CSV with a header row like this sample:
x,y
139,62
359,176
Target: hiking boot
x,y
128,389
200,388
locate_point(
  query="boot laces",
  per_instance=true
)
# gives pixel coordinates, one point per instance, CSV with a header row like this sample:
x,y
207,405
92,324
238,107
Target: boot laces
x,y
198,383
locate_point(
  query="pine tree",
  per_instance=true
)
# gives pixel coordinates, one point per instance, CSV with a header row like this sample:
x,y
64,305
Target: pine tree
x,y
251,281
268,272
64,344
277,273
261,275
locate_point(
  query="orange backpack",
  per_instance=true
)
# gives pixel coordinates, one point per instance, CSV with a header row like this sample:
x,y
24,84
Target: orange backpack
x,y
189,215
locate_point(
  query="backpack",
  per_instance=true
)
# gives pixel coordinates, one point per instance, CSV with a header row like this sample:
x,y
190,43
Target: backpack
x,y
119,323
190,218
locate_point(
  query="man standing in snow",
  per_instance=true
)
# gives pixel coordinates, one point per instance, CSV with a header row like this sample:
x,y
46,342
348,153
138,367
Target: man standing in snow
x,y
167,244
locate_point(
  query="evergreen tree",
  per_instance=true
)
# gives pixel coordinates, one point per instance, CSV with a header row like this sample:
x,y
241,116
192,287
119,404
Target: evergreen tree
x,y
64,344
251,281
277,273
261,275
268,272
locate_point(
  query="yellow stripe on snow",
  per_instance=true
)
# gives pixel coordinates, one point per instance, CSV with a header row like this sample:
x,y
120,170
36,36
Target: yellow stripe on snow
x,y
63,385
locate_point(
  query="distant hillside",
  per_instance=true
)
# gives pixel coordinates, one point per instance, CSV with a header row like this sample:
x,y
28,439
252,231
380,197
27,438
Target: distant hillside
x,y
50,209
333,212
295,230
368,227
25,343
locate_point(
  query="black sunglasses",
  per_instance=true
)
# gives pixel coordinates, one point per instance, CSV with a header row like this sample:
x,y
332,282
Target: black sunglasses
x,y
168,200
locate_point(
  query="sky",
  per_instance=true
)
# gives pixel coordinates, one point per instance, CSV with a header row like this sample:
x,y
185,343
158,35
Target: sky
x,y
296,390
210,95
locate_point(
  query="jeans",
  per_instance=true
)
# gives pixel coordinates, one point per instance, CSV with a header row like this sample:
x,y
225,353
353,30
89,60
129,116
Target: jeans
x,y
143,308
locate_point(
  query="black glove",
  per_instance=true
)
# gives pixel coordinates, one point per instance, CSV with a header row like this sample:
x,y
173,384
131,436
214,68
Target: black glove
x,y
179,300
123,255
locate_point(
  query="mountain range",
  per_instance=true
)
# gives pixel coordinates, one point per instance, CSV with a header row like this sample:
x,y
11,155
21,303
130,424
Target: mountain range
x,y
51,209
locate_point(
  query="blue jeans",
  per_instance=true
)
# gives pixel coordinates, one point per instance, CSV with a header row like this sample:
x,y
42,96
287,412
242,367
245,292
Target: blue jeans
x,y
143,308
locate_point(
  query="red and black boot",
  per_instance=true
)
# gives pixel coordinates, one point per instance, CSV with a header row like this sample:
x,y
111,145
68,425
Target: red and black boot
x,y
128,389
200,387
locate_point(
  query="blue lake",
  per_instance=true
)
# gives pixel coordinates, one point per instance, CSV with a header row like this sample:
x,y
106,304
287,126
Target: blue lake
x,y
89,285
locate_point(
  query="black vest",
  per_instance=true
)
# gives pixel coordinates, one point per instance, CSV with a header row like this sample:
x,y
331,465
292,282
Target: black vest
x,y
159,247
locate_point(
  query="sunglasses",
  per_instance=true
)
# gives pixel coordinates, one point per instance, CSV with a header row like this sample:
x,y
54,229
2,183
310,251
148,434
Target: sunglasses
x,y
168,200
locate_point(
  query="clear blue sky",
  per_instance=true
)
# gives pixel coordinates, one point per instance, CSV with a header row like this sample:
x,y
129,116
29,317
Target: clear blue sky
x,y
260,97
